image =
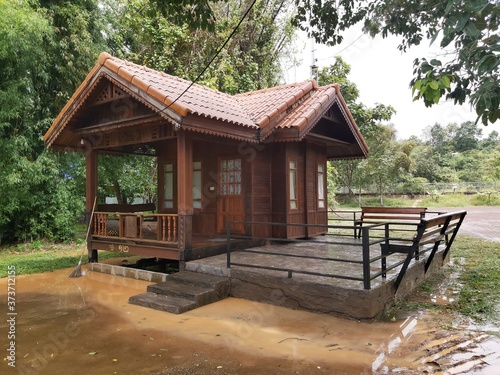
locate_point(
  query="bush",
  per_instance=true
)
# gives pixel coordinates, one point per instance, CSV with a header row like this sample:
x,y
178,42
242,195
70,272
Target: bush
x,y
37,202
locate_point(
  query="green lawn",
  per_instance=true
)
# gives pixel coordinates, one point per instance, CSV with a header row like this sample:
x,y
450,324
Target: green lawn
x,y
42,256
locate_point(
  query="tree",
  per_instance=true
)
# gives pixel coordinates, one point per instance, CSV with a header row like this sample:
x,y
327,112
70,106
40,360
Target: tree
x,y
42,57
467,136
468,70
347,172
157,37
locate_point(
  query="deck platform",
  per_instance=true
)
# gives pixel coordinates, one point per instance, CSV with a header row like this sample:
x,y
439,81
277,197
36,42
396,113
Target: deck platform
x,y
341,297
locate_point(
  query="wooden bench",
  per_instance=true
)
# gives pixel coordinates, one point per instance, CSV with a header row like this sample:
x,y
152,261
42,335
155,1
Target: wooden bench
x,y
376,215
431,234
125,208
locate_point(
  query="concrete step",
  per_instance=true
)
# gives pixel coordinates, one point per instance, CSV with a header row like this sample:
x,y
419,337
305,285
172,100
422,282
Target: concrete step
x,y
220,284
184,291
200,295
174,305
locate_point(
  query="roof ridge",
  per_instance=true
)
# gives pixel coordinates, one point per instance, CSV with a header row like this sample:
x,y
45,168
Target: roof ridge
x,y
105,56
280,87
178,102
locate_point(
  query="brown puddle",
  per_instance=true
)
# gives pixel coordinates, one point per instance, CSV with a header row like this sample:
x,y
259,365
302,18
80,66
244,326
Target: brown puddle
x,y
86,326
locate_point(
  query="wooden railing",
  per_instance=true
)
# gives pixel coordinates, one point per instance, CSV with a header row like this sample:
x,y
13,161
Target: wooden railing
x,y
141,226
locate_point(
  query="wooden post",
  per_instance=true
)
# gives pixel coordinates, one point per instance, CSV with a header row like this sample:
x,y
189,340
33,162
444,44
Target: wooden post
x,y
90,193
184,193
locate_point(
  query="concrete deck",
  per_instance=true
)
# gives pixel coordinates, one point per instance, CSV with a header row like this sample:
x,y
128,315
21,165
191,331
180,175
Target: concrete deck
x,y
346,298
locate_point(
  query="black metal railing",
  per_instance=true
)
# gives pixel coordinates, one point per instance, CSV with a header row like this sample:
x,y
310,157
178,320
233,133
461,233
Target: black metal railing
x,y
362,248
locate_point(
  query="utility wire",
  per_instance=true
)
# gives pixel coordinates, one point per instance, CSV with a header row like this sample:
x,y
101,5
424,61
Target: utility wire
x,y
215,56
343,49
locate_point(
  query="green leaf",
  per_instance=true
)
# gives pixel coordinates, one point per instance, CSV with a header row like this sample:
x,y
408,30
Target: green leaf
x,y
471,30
445,81
435,62
434,85
449,6
461,23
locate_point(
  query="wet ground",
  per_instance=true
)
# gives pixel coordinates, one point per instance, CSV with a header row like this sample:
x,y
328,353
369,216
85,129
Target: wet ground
x,y
86,326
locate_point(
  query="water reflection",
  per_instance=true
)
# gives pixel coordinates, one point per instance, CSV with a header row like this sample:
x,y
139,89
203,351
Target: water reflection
x,y
401,335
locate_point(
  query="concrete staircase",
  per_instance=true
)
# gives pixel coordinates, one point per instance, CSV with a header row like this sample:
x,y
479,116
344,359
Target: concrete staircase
x,y
183,291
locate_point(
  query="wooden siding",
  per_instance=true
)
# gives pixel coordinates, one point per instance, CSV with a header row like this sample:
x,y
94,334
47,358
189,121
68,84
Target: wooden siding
x,y
315,155
260,209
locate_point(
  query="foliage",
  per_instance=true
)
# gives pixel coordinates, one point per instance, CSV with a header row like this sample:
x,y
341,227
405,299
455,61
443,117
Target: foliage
x,y
366,118
128,177
35,199
469,70
346,173
147,34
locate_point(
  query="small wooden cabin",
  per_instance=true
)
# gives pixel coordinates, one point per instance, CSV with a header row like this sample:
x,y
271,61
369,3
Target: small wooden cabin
x,y
259,156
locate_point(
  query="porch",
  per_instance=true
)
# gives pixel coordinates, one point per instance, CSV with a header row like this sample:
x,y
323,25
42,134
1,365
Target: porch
x,y
152,235
296,276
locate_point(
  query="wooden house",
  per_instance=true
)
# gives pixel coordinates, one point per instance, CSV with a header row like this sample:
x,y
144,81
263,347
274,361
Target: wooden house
x,y
253,157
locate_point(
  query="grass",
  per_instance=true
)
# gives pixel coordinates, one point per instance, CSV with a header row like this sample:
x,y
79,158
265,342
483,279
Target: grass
x,y
473,274
44,256
443,200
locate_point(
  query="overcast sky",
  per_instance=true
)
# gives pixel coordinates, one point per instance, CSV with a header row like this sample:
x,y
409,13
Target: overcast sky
x,y
382,74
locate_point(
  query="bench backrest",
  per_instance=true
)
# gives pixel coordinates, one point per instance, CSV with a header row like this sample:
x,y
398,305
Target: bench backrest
x,y
431,232
123,208
393,213
435,229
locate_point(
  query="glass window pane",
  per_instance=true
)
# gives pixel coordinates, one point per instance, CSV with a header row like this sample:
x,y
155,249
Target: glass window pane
x,y
197,165
169,185
230,165
293,185
197,185
237,164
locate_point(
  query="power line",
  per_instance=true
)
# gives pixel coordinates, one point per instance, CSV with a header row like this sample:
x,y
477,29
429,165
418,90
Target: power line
x,y
343,49
215,56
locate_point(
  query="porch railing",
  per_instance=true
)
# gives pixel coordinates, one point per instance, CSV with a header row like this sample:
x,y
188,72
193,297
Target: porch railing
x,y
140,226
368,262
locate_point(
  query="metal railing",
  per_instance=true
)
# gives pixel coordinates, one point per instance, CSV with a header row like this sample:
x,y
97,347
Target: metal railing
x,y
362,247
141,226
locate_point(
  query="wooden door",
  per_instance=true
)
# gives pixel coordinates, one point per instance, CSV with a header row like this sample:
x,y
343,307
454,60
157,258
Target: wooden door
x,y
231,205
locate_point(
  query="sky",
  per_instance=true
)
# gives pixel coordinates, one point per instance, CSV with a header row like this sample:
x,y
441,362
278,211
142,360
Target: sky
x,y
382,74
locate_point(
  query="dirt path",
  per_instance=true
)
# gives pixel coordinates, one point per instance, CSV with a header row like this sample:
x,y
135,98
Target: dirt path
x,y
86,326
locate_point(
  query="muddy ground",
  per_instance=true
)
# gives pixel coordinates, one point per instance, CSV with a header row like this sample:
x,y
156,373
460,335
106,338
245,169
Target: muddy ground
x,y
85,326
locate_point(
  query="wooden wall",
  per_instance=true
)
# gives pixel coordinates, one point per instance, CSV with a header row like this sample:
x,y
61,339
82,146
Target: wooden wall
x,y
266,182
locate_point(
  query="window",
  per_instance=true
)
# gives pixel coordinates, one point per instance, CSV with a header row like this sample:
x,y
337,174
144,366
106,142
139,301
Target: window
x,y
321,186
230,177
197,184
168,186
292,167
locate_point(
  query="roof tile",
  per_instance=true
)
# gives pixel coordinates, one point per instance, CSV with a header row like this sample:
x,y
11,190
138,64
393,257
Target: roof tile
x,y
296,105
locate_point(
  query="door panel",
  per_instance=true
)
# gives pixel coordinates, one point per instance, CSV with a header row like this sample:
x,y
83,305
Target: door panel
x,y
231,205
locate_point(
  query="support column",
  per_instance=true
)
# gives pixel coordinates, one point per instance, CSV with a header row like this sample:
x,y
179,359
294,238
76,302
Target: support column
x,y
184,194
90,195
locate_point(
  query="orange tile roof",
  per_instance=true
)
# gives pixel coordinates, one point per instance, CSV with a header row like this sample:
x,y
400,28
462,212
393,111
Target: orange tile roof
x,y
297,105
